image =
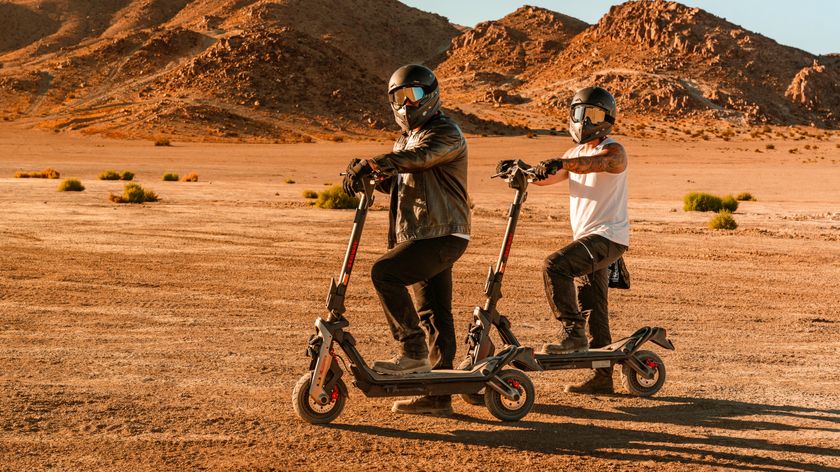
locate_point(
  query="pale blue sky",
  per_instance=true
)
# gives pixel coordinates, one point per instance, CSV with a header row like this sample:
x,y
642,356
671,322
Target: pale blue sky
x,y
812,25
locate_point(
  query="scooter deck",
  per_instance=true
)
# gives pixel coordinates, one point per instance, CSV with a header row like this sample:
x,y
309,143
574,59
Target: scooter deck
x,y
591,359
434,375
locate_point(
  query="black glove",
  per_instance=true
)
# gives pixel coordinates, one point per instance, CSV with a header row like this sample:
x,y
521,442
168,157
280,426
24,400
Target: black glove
x,y
504,165
356,170
545,169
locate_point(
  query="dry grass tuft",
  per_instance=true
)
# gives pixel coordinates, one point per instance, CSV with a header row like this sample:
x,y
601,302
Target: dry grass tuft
x,y
109,175
290,181
126,175
161,141
745,197
71,185
310,194
700,201
134,193
191,177
170,177
723,220
728,203
48,173
334,198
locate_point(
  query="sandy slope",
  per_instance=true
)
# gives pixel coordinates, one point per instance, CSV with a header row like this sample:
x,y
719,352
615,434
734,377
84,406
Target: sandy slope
x,y
168,336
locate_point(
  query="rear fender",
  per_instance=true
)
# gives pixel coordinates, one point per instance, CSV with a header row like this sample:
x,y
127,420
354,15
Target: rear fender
x,y
659,337
524,360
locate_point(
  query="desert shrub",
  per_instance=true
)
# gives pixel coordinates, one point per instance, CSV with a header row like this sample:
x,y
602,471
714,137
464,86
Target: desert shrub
x,y
126,175
134,193
170,177
71,185
48,173
699,201
161,141
728,203
769,146
531,135
337,139
745,197
290,181
191,177
109,175
793,151
335,198
310,194
723,220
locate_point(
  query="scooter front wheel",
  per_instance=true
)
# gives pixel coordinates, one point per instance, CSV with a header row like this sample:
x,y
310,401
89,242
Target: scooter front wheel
x,y
504,408
313,412
635,383
470,398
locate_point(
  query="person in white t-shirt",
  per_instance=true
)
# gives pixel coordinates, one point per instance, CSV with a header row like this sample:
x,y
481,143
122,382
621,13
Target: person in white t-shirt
x,y
597,173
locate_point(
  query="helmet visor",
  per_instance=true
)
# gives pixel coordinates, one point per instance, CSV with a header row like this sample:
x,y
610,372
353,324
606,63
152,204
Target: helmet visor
x,y
595,114
407,95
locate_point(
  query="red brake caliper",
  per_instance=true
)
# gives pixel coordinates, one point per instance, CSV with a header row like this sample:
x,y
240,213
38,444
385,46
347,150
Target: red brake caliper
x,y
334,395
650,363
515,384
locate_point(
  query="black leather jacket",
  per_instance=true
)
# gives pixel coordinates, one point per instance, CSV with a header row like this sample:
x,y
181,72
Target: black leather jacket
x,y
428,183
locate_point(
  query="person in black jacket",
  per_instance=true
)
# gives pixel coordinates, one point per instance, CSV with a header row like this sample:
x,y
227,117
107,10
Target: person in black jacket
x,y
429,227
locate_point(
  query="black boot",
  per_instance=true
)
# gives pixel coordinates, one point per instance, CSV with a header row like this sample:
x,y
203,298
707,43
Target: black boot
x,y
600,381
436,405
572,339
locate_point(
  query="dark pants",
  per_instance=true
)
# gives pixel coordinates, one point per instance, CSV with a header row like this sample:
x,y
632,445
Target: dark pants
x,y
425,264
583,263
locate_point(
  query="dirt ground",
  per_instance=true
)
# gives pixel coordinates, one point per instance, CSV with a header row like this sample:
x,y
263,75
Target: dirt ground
x,y
169,335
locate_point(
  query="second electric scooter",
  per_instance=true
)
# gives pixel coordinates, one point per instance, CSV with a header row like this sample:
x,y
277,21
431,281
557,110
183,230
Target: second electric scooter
x,y
320,394
642,371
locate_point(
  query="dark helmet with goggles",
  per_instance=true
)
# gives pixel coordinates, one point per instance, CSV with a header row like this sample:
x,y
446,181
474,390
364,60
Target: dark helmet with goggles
x,y
592,114
414,96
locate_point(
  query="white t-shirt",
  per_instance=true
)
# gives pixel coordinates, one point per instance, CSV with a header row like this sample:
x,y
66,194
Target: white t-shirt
x,y
598,201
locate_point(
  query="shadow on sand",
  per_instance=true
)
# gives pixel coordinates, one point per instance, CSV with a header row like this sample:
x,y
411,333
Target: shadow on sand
x,y
695,449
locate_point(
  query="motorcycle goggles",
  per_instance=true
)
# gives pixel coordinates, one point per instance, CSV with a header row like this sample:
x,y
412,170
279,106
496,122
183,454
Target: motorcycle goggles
x,y
595,114
407,95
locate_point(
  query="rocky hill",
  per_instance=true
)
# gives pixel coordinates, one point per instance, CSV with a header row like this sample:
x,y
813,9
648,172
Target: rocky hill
x,y
661,59
296,70
284,70
484,63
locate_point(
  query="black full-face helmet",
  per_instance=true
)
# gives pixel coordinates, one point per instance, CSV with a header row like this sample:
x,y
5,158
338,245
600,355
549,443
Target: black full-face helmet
x,y
414,96
592,114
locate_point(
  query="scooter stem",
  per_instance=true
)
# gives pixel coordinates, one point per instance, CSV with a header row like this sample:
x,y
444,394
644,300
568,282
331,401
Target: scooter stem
x,y
335,298
493,287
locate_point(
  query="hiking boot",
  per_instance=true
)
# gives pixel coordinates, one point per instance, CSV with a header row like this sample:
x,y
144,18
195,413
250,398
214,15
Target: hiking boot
x,y
437,405
572,339
401,365
598,382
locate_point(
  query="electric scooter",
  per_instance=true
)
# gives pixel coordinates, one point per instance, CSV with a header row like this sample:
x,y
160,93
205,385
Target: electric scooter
x,y
642,371
320,394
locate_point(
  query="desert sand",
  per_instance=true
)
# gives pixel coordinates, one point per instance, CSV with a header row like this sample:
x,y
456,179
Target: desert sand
x,y
169,335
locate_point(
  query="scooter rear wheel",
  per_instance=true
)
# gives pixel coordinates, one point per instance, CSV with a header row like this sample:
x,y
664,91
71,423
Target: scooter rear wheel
x,y
470,398
504,408
311,411
635,383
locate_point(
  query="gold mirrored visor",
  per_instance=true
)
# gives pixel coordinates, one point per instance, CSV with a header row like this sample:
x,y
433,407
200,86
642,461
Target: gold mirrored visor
x,y
596,115
407,95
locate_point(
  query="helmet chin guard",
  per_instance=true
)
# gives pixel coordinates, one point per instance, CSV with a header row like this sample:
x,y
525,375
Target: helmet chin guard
x,y
591,115
413,114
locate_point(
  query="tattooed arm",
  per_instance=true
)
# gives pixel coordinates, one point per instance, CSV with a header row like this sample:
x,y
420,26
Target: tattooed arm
x,y
611,158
